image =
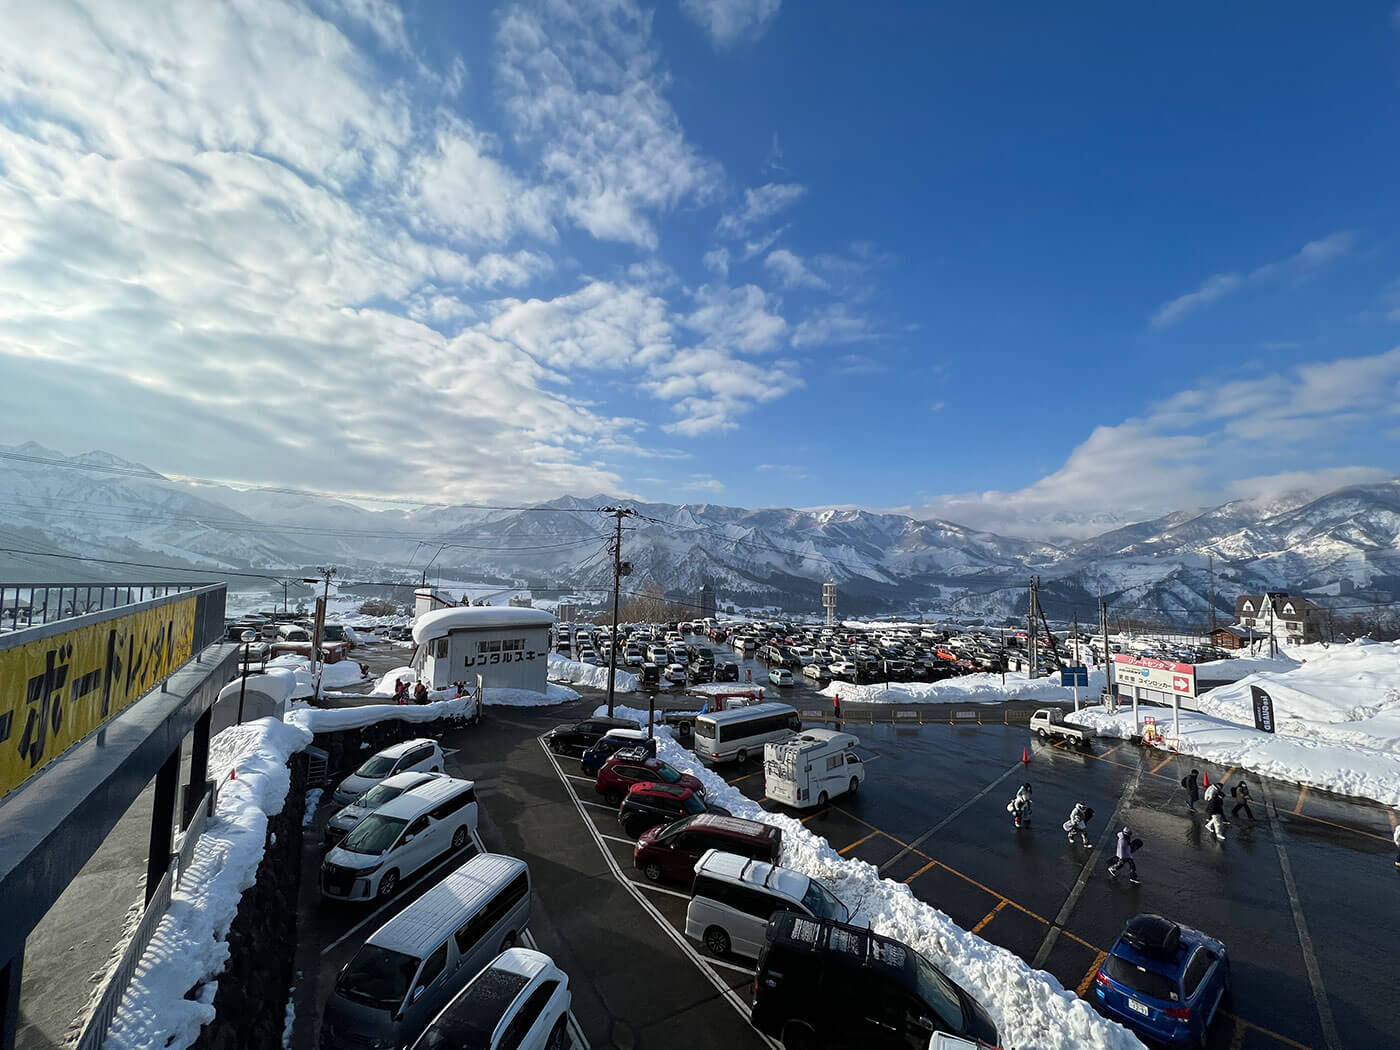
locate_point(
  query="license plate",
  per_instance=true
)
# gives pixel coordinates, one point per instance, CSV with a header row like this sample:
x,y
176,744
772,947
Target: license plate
x,y
1138,1007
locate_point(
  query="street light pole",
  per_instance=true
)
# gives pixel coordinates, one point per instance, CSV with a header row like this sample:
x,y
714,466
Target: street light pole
x,y
248,637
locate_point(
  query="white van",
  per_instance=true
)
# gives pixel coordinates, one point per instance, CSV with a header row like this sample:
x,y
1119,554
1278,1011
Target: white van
x,y
413,965
291,632
421,755
737,733
399,838
819,765
733,898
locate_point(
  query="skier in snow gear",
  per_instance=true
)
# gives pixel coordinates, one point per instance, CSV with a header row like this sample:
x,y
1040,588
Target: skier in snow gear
x,y
1215,807
1241,795
1397,845
1193,788
400,696
1126,845
420,693
1020,806
1079,818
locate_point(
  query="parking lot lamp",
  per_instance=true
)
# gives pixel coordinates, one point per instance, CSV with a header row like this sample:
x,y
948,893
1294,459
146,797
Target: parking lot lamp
x,y
248,637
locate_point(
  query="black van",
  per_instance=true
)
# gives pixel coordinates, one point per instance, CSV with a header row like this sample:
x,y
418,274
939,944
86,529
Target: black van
x,y
857,988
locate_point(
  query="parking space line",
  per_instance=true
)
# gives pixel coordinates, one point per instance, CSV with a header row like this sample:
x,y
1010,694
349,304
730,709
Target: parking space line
x,y
989,917
617,838
728,965
913,847
1302,797
1391,814
1237,1035
596,805
864,838
740,780
579,1040
1346,827
1089,974
659,889
1160,764
916,874
586,780
1265,1031
1110,751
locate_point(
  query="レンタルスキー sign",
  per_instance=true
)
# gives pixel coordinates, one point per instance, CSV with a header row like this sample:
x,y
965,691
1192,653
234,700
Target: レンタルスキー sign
x,y
55,691
1161,675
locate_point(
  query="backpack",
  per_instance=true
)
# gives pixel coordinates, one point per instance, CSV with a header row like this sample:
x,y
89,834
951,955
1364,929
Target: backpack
x,y
1186,782
1235,791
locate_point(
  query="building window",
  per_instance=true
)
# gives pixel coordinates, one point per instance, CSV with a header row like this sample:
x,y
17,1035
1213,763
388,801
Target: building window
x,y
440,650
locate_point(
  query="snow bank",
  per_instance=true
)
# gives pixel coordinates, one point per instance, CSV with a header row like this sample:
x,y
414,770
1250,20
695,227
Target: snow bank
x,y
1346,769
1032,1010
328,720
557,694
189,948
574,672
980,688
385,686
333,676
1236,667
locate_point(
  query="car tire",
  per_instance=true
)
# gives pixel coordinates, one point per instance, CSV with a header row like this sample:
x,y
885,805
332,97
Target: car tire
x,y
508,941
855,785
742,755
798,1036
1042,734
652,871
717,941
459,838
612,797
388,884
556,746
559,1036
435,769
822,800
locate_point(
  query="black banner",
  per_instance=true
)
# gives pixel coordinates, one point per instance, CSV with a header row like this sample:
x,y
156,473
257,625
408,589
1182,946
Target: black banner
x,y
1263,709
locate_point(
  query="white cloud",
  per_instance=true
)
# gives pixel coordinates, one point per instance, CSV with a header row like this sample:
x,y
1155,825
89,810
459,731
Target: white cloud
x,y
791,271
859,364
1310,257
759,206
727,22
831,325
585,90
602,326
717,261
743,318
712,388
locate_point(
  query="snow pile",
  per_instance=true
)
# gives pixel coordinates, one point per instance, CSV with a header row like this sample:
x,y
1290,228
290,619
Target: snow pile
x,y
329,720
189,948
574,672
557,694
1236,667
1346,769
982,688
333,676
1032,1010
385,686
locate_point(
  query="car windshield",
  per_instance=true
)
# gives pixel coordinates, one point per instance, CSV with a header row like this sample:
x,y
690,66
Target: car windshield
x,y
939,995
378,795
377,977
667,773
672,830
373,835
469,1020
693,804
378,766
823,904
1137,979
331,633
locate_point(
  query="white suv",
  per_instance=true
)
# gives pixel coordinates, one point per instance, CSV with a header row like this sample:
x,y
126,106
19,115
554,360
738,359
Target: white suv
x,y
411,756
519,1002
734,897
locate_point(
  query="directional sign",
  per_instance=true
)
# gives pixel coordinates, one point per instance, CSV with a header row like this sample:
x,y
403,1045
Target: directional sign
x,y
1071,676
1161,675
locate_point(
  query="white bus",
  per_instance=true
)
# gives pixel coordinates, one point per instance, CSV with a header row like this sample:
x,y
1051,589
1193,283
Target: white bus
x,y
737,733
816,766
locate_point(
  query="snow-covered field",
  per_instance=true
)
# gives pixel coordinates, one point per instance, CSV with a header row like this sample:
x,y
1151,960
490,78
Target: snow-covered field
x,y
1032,1010
968,689
189,947
574,672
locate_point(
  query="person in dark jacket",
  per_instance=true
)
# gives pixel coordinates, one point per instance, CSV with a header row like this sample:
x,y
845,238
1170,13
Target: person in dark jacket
x,y
836,708
1241,794
420,693
1193,788
1124,855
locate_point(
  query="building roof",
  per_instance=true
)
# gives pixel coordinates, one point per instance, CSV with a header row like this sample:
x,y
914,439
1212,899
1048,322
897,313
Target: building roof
x,y
437,624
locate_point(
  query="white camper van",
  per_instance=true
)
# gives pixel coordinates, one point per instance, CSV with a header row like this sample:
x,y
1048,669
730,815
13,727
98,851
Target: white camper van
x,y
812,768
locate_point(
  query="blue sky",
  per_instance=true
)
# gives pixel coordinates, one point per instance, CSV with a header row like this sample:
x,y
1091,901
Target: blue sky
x,y
1027,268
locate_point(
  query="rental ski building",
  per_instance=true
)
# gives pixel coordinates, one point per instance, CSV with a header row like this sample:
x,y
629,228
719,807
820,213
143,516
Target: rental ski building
x,y
508,647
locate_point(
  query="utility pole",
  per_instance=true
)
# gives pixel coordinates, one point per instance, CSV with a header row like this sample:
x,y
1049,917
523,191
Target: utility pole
x,y
318,628
1210,560
1033,610
620,569
1107,655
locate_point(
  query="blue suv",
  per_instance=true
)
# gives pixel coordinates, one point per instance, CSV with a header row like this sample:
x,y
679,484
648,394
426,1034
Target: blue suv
x,y
1163,980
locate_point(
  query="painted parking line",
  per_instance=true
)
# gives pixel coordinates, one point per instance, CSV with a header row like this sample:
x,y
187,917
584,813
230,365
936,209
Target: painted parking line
x,y
911,878
1160,764
597,805
989,917
653,888
746,776
586,780
617,838
1302,797
1083,988
864,838
913,847
576,1036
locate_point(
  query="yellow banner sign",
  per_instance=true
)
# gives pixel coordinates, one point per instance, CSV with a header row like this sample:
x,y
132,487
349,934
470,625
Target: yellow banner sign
x,y
56,691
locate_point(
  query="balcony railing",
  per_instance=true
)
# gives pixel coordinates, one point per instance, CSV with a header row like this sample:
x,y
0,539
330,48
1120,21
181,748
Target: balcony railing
x,y
35,604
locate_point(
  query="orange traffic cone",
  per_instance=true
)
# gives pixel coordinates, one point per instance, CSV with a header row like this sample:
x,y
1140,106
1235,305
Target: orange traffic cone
x,y
1205,780
1026,755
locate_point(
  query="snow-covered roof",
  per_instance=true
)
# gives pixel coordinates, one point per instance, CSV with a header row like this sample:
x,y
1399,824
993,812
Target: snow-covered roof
x,y
476,618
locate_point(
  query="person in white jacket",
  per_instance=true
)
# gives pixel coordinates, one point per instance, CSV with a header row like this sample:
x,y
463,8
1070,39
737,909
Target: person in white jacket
x,y
1079,818
1215,807
1397,845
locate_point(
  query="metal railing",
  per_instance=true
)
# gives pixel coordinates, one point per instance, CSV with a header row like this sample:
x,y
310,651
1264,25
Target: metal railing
x,y
34,604
99,1022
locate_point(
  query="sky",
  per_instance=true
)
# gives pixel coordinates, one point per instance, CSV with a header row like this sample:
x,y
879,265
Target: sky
x,y
1029,268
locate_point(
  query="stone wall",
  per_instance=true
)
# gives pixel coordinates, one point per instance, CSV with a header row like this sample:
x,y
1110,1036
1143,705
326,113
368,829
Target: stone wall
x,y
251,1000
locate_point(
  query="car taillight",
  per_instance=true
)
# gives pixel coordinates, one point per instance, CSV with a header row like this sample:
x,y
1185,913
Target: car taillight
x,y
1180,1013
1102,979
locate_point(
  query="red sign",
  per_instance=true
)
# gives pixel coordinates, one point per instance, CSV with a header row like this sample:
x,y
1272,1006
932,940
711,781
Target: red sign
x,y
1163,676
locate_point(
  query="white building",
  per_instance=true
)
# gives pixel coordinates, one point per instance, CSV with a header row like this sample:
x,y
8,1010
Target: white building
x,y
508,647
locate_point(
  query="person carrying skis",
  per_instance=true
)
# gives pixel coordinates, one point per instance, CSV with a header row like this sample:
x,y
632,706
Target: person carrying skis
x,y
1193,788
1215,808
1020,806
1397,845
1240,792
1079,818
1124,855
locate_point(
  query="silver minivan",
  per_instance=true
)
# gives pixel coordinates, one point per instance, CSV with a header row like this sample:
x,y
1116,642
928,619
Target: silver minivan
x,y
733,898
413,965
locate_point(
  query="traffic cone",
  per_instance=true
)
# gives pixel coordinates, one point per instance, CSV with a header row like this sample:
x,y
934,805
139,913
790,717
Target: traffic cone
x,y
1205,780
1026,755
233,773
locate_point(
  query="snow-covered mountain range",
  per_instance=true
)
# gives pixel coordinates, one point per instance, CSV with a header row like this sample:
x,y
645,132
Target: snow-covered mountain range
x,y
96,505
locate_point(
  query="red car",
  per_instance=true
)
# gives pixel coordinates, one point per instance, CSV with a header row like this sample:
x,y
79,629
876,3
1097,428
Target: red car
x,y
672,851
632,766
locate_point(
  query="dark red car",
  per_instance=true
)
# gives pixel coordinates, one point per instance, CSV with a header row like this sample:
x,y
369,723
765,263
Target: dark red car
x,y
630,767
672,851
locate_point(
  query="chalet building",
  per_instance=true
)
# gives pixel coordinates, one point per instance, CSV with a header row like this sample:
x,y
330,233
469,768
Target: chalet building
x,y
1295,620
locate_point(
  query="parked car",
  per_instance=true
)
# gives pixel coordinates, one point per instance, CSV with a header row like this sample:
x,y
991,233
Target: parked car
x,y
780,676
859,990
648,805
634,766
1164,980
422,755
734,896
812,768
726,671
613,741
675,674
399,839
671,852
386,790
577,737
519,1002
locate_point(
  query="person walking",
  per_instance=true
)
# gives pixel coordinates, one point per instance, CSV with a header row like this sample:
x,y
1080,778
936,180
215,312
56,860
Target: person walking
x,y
1078,822
836,708
420,693
1397,845
1193,788
1240,793
1127,845
399,697
1215,809
1020,806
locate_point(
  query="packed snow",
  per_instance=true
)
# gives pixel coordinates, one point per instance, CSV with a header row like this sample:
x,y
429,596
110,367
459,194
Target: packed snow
x,y
338,675
574,672
329,720
1032,1010
982,688
171,994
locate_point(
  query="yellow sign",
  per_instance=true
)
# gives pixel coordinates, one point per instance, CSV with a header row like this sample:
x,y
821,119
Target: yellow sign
x,y
56,691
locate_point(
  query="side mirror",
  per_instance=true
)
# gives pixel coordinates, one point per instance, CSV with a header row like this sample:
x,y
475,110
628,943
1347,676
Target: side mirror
x,y
409,837
417,994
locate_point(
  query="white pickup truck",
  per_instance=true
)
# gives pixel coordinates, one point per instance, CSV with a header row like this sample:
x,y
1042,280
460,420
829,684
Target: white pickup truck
x,y
1050,721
